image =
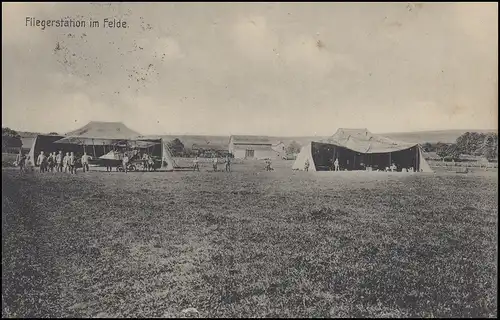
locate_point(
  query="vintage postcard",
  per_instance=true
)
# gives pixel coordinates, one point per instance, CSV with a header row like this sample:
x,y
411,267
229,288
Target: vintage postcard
x,y
250,159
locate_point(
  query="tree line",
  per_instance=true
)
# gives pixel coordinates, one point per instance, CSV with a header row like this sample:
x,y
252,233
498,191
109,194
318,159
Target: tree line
x,y
469,143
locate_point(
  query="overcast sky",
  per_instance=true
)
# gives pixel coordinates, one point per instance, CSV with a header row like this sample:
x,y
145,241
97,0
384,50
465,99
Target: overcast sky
x,y
253,68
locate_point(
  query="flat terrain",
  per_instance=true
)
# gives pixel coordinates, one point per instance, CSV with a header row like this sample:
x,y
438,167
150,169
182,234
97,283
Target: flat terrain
x,y
249,243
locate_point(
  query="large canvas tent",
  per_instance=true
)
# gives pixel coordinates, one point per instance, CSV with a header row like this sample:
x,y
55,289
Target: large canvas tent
x,y
357,149
102,131
100,138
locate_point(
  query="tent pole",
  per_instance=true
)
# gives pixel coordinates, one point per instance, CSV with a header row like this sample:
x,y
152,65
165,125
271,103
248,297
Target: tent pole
x,y
93,145
417,163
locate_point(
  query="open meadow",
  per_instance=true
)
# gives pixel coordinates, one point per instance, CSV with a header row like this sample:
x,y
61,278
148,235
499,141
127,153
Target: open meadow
x,y
249,244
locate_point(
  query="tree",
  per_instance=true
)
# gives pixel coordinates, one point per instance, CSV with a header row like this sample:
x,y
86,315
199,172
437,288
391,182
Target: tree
x,y
293,147
453,152
448,151
490,146
470,143
427,147
176,147
53,134
10,139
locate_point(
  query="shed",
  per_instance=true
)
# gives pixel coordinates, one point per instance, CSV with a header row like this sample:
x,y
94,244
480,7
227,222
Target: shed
x,y
251,147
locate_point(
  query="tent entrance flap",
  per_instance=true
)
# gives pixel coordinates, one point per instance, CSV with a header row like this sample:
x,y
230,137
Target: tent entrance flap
x,y
167,161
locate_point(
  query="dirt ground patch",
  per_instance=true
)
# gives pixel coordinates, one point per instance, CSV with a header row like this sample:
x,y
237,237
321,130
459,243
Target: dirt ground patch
x,y
249,244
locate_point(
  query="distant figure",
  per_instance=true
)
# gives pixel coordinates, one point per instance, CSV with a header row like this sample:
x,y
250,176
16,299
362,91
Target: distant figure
x,y
336,164
109,168
51,160
196,165
30,163
66,162
393,167
59,162
72,163
85,162
21,161
145,162
215,164
125,162
228,164
42,162
306,165
151,163
268,165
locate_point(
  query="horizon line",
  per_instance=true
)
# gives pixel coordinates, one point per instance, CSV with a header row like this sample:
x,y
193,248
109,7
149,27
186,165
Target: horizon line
x,y
267,135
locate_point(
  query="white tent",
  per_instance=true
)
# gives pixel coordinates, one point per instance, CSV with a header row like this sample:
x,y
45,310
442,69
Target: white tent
x,y
355,146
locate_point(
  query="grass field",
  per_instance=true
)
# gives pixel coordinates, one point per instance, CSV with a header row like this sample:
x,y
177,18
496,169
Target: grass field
x,y
249,244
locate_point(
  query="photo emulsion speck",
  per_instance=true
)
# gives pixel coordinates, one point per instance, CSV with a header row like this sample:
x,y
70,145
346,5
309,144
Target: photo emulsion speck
x,y
245,159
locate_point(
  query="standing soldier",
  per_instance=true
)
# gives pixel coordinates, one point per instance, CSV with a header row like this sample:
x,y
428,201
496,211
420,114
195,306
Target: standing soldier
x,y
21,160
215,163
59,161
109,167
336,164
151,163
228,164
85,162
125,162
42,161
66,162
51,161
30,164
196,166
268,165
145,162
306,165
72,163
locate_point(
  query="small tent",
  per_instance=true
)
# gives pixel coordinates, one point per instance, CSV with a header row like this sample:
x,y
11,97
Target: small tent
x,y
357,149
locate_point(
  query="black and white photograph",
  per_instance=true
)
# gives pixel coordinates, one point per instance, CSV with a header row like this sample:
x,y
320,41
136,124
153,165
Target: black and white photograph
x,y
249,159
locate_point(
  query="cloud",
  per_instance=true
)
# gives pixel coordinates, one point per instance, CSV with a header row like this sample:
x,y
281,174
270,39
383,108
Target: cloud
x,y
252,62
478,20
254,39
170,47
312,54
163,48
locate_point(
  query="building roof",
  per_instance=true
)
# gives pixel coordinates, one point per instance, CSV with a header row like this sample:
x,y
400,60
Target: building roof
x,y
363,141
189,140
105,130
209,146
254,140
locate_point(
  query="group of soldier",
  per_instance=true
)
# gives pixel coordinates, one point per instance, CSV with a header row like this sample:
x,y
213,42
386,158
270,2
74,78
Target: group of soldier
x,y
215,164
60,162
53,161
